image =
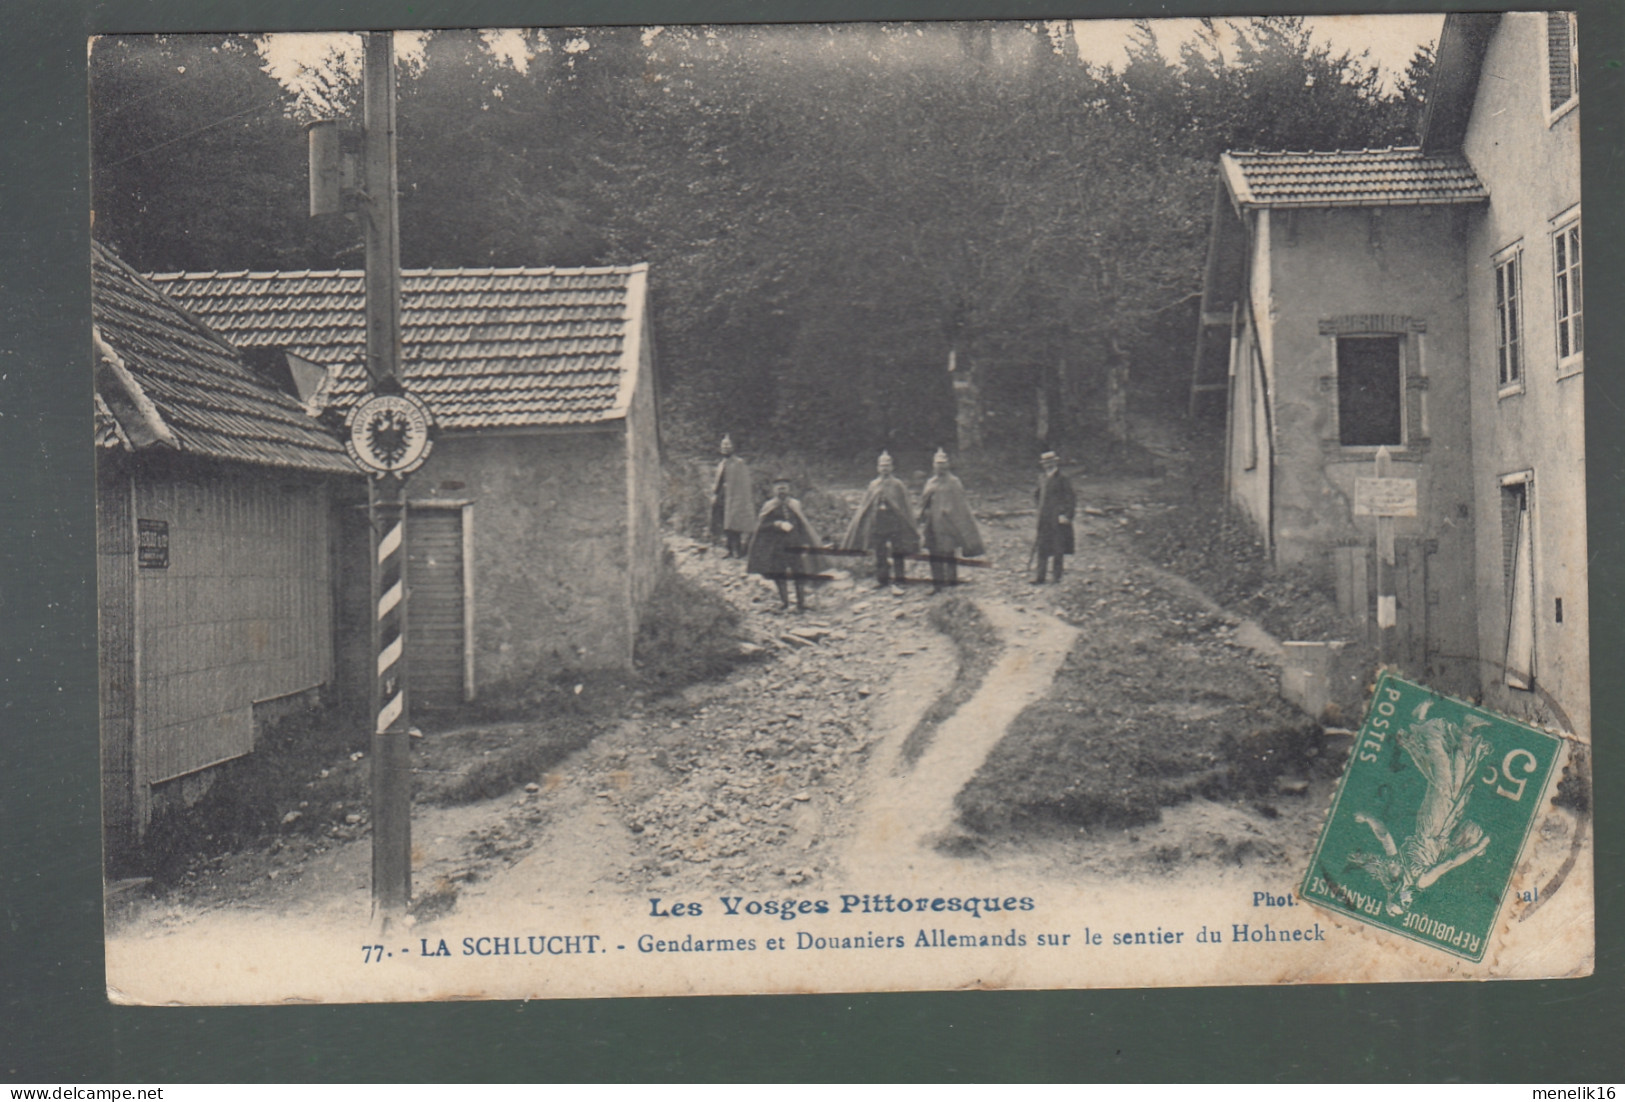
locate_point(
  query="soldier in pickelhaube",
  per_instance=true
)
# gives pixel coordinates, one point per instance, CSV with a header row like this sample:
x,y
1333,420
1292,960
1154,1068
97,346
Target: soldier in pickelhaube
x,y
733,501
946,524
884,524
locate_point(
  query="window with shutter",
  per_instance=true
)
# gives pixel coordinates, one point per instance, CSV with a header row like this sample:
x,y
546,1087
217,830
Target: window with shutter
x,y
1509,320
1566,294
1562,75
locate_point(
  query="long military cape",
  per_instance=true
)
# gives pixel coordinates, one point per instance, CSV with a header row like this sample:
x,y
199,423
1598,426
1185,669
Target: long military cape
x,y
770,548
735,508
945,517
883,514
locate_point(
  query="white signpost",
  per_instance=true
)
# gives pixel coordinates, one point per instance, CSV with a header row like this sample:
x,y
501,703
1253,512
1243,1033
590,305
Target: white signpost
x,y
1385,497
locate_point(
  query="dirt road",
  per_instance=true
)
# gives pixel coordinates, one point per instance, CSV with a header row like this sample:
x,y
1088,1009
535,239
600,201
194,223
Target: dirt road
x,y
792,772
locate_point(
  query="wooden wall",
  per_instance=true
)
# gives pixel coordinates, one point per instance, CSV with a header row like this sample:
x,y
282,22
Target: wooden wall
x,y
242,613
115,602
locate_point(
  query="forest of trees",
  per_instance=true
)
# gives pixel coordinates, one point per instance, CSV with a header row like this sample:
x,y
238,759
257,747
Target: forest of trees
x,y
829,212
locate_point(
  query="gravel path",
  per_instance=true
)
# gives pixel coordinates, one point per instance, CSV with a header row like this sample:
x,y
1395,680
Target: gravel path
x,y
753,783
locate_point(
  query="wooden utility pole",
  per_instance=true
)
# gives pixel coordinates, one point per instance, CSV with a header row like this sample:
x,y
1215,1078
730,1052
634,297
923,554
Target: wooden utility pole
x,y
1387,612
386,497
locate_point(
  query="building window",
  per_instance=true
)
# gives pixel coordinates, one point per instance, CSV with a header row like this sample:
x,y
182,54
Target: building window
x,y
1509,319
1562,61
1370,391
1566,267
1517,561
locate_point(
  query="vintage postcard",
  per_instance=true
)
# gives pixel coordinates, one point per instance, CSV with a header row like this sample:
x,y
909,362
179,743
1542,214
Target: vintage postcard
x,y
616,511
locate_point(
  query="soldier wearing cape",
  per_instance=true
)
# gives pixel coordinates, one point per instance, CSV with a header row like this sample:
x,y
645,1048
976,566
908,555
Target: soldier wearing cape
x,y
784,545
733,501
884,524
946,524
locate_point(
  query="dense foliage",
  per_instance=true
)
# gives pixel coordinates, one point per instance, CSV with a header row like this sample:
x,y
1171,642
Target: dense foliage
x,y
828,211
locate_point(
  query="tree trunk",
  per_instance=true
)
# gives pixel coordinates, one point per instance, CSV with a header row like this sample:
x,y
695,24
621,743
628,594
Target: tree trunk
x,y
1054,416
1117,400
967,405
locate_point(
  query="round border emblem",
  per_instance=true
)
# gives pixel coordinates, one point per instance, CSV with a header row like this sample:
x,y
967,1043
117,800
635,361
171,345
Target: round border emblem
x,y
389,433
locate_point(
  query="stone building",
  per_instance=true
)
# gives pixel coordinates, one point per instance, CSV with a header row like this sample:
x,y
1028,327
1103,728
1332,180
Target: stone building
x,y
1507,97
1424,301
533,532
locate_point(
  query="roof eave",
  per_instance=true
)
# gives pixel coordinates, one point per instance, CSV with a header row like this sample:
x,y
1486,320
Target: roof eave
x,y
637,289
1329,204
148,427
334,464
609,422
1235,182
1454,84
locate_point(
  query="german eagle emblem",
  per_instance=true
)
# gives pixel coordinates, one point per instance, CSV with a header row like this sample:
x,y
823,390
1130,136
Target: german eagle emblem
x,y
389,434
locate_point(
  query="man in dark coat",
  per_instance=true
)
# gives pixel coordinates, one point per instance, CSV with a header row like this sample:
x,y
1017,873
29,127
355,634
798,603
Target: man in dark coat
x,y
946,523
783,545
733,501
884,524
1056,504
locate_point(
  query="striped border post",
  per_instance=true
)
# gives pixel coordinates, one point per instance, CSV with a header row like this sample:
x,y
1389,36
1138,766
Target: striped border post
x,y
386,497
391,744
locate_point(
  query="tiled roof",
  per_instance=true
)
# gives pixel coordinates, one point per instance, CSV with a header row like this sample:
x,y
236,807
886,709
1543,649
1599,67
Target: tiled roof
x,y
1351,178
485,348
186,386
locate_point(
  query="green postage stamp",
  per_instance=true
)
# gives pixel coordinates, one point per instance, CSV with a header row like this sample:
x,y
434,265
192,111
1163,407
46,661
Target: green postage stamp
x,y
1431,817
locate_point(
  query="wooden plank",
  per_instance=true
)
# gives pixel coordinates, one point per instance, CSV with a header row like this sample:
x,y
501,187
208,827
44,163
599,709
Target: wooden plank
x,y
1343,567
1360,585
436,615
115,564
1413,600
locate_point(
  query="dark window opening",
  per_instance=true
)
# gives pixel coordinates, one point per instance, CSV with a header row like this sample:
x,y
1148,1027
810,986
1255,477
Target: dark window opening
x,y
1370,390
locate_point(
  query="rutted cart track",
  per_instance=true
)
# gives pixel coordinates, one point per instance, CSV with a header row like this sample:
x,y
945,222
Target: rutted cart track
x,y
789,774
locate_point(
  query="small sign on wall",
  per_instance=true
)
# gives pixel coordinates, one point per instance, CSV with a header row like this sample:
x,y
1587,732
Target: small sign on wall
x,y
1385,497
152,544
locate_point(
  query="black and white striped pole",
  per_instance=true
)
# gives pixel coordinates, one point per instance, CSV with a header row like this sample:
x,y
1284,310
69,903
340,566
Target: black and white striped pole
x,y
388,437
391,743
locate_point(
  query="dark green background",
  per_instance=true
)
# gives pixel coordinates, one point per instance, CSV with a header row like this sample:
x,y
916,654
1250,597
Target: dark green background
x,y
56,1024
